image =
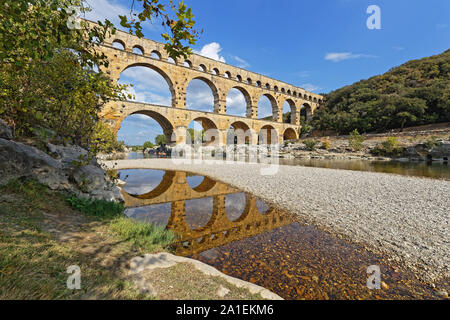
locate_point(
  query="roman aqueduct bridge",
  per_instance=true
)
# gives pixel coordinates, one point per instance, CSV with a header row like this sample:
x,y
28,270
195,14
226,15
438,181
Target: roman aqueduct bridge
x,y
220,77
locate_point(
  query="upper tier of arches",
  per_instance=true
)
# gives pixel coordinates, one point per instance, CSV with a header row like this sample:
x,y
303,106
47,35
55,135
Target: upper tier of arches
x,y
149,48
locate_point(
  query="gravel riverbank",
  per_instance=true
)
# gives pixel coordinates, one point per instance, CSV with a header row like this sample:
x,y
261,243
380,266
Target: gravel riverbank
x,y
405,217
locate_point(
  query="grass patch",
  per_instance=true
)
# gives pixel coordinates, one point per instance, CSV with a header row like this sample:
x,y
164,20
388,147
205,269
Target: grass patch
x,y
33,263
141,235
146,236
100,209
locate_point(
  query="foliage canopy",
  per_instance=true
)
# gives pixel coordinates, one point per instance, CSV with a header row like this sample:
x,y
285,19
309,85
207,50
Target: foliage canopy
x,y
51,80
415,93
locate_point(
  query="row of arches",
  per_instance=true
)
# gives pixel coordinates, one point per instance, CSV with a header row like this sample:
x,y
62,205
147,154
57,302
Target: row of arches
x,y
155,54
199,212
152,85
201,131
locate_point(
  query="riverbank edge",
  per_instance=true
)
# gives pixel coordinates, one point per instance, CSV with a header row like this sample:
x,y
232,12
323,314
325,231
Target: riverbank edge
x,y
110,263
412,266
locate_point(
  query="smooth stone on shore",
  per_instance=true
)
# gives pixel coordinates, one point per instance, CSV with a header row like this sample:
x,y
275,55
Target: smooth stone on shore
x,y
407,218
166,260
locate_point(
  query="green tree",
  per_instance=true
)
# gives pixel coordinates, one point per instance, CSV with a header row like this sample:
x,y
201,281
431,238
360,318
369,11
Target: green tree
x,y
147,145
178,22
355,140
160,139
195,135
47,82
414,93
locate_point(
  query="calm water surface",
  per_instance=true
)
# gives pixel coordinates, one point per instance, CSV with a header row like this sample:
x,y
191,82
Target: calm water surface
x,y
435,170
250,239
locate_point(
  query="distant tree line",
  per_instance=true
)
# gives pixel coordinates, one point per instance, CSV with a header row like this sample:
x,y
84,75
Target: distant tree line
x,y
415,93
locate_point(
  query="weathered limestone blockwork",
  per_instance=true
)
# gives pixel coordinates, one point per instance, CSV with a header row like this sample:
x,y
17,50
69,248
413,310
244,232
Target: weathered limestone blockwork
x,y
220,77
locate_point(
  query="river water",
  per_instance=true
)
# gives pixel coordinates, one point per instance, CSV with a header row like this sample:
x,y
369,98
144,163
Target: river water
x,y
250,239
435,170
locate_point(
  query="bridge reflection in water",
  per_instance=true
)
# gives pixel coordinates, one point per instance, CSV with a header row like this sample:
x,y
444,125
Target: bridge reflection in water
x,y
204,214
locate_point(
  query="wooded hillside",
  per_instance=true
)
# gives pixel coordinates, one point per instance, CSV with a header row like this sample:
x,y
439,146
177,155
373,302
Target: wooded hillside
x,y
415,93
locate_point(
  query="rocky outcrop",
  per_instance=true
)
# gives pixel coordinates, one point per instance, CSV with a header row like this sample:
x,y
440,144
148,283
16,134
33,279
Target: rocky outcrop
x,y
63,172
5,131
441,151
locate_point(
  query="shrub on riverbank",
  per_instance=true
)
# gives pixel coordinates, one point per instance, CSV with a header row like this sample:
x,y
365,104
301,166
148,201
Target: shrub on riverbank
x,y
355,140
326,144
310,144
100,209
390,148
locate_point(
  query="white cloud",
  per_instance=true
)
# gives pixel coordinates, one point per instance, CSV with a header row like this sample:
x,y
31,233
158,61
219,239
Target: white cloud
x,y
148,86
199,96
264,107
309,87
341,56
241,63
111,9
236,104
211,50
106,9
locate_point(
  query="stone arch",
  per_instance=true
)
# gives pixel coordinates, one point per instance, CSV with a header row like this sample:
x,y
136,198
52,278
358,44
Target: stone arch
x,y
216,71
306,111
273,102
262,207
202,68
238,78
247,97
267,86
227,74
207,212
187,64
165,184
289,134
212,133
268,135
119,42
206,185
139,48
161,73
166,125
241,133
258,83
246,210
171,61
155,54
275,88
293,110
249,81
211,85
283,90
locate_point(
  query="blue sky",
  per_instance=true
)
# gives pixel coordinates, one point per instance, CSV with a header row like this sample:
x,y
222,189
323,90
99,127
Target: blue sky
x,y
317,45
